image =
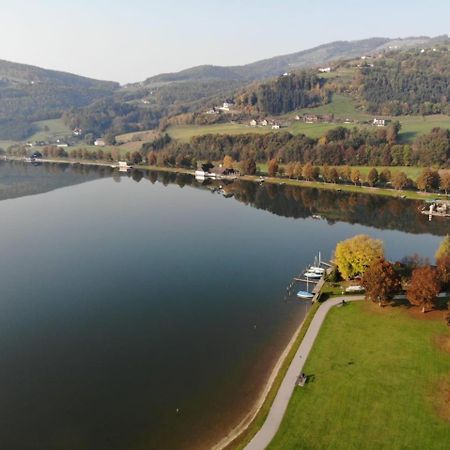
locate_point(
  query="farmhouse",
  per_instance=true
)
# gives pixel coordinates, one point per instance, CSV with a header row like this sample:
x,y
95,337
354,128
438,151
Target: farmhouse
x,y
380,122
310,118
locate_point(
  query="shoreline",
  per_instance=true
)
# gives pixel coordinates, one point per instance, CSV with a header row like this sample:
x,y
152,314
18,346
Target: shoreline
x,y
400,194
244,424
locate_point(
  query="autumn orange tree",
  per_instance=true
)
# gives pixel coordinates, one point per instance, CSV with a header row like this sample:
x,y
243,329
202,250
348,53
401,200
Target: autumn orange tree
x,y
273,167
424,287
381,281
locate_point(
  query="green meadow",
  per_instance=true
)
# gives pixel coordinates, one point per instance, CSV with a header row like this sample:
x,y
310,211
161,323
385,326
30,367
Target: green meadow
x,y
379,379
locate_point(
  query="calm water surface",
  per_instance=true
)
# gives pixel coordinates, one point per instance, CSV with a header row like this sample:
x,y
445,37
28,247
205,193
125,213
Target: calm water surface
x,y
146,312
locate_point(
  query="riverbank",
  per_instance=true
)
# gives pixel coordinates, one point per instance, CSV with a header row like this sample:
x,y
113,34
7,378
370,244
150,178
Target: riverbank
x,y
401,194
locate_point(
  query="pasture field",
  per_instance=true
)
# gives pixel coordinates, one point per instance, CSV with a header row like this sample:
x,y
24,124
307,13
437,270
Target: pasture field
x,y
378,379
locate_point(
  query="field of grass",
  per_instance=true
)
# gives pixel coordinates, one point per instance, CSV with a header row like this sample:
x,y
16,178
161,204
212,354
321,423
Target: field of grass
x,y
55,129
185,132
413,126
378,379
342,106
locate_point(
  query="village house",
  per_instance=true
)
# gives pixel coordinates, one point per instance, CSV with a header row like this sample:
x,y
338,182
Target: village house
x,y
253,123
380,122
310,118
77,131
324,69
297,117
264,123
276,126
226,105
213,110
99,143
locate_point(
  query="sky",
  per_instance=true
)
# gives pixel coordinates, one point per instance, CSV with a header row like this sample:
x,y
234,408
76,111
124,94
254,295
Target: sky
x,y
130,40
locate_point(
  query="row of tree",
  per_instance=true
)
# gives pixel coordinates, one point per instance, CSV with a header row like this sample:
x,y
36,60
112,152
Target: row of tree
x,y
338,146
364,257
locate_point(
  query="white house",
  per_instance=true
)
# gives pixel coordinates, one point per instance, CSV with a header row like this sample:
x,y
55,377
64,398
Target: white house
x,y
379,122
253,123
99,143
324,69
276,126
264,123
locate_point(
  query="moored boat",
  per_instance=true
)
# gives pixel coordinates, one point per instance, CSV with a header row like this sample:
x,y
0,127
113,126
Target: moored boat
x,y
304,294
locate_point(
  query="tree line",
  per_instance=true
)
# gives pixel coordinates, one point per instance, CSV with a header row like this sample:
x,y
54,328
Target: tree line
x,y
362,256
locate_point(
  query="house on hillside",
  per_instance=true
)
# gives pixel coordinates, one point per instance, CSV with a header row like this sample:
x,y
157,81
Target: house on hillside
x,y
310,118
99,143
227,105
213,110
297,117
77,131
264,123
324,69
276,126
253,123
380,122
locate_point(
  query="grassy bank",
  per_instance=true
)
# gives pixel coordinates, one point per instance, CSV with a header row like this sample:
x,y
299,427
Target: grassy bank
x,y
245,437
378,380
413,195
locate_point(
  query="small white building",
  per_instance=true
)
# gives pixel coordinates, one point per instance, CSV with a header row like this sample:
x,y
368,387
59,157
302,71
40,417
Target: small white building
x,y
253,123
264,123
276,126
379,122
99,143
324,69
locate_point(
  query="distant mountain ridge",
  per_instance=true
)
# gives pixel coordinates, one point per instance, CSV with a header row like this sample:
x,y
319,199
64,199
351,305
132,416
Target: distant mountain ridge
x,y
277,65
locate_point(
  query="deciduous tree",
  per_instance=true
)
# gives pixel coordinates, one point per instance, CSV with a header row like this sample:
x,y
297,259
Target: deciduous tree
x,y
381,281
372,177
353,256
424,287
444,181
400,180
273,167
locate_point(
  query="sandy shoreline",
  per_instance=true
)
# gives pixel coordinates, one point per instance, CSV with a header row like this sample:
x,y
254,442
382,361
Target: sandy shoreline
x,y
258,403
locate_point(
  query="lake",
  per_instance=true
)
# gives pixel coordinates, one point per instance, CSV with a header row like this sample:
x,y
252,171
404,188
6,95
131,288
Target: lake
x,y
146,311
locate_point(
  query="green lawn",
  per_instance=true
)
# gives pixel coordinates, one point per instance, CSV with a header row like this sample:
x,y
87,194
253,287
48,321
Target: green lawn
x,y
342,106
376,381
413,126
55,129
185,132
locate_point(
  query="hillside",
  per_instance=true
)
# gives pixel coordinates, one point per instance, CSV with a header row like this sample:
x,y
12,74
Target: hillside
x,y
29,93
277,65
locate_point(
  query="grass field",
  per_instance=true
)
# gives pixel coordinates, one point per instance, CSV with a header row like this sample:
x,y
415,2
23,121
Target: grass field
x,y
185,132
342,106
55,129
379,379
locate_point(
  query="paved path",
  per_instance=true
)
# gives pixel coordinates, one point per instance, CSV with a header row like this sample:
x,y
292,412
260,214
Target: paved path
x,y
264,436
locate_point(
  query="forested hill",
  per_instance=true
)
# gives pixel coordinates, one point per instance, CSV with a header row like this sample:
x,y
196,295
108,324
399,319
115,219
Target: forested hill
x,y
277,65
410,82
29,93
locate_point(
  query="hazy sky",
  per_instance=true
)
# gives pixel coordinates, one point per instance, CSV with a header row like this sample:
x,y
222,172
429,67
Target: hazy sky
x,y
130,40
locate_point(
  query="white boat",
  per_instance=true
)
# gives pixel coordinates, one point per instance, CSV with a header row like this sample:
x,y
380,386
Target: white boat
x,y
316,269
313,275
304,294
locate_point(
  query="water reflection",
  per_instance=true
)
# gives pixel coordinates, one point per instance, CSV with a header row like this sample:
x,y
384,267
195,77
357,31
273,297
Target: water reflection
x,y
18,179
